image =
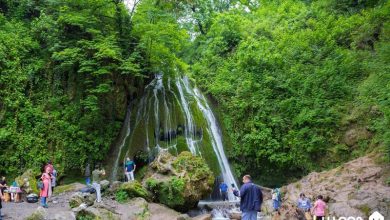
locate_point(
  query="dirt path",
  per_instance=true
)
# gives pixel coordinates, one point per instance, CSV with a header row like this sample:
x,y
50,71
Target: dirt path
x,y
22,210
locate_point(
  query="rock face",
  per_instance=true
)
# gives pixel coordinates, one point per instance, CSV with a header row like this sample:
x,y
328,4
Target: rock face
x,y
358,188
179,182
27,182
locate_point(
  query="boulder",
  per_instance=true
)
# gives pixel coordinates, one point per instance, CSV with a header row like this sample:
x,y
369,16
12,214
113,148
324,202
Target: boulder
x,y
115,186
39,214
104,184
135,189
179,182
79,198
93,212
27,182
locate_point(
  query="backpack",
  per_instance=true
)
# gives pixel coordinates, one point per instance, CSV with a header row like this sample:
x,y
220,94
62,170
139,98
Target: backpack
x,y
40,185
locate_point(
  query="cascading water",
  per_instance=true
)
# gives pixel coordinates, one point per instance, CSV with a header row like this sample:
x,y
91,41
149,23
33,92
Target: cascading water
x,y
174,116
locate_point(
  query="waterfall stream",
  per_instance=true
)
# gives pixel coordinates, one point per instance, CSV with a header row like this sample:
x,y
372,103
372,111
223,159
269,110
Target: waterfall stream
x,y
175,116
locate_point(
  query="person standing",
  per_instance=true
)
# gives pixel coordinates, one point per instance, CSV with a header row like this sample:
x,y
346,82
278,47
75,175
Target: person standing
x,y
1,198
45,192
129,169
276,199
3,184
87,174
223,189
304,206
49,166
251,198
53,180
96,174
319,208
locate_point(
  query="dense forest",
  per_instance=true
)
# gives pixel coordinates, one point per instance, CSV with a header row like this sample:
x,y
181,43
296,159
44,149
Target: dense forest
x,y
298,85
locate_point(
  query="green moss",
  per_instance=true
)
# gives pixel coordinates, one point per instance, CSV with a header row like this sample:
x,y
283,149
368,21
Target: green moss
x,y
64,188
135,189
121,196
172,193
365,209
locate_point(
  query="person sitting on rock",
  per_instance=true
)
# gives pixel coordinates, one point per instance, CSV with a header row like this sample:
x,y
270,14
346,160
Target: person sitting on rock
x,y
129,169
319,208
96,174
304,206
223,189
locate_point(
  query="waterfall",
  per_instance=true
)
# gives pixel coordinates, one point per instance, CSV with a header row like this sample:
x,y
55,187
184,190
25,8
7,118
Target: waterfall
x,y
122,143
216,135
173,115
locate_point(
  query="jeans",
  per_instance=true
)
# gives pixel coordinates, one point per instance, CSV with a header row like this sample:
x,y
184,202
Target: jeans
x,y
225,196
96,186
130,176
43,201
1,218
88,180
250,215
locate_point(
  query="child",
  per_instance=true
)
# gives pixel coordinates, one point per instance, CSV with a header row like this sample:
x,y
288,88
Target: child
x,y
319,208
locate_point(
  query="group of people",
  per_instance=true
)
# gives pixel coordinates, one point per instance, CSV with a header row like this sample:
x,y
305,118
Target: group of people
x,y
98,173
47,184
252,198
305,209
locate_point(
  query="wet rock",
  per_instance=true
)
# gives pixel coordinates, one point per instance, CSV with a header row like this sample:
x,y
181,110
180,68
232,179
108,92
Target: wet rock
x,y
183,217
203,217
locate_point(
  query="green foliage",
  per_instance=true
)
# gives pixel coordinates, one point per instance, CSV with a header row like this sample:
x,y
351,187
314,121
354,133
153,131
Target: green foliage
x,y
134,189
285,76
121,196
66,76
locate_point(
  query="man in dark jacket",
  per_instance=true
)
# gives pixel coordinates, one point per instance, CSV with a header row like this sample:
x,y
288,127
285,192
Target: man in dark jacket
x,y
251,198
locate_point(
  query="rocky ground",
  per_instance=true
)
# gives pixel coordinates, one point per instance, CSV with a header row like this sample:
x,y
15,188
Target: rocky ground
x,y
357,188
59,209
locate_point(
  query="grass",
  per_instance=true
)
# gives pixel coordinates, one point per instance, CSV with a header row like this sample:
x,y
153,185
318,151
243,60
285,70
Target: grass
x,y
365,209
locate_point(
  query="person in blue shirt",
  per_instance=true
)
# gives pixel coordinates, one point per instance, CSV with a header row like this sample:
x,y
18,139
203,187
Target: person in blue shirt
x,y
223,188
129,169
251,199
304,205
276,199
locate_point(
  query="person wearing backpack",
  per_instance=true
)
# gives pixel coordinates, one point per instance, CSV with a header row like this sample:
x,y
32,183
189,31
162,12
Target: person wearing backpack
x,y
45,191
276,199
251,198
304,207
